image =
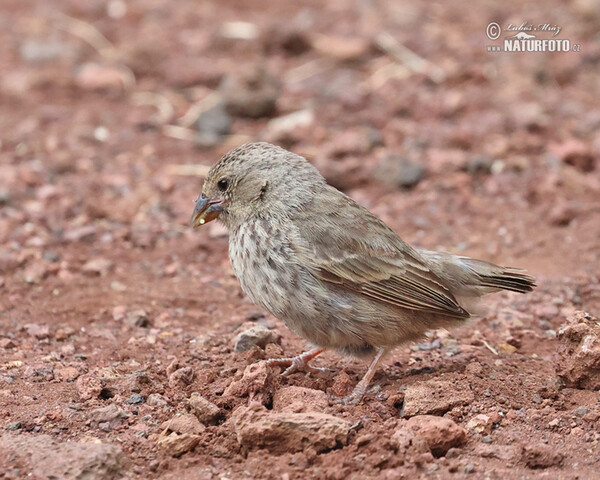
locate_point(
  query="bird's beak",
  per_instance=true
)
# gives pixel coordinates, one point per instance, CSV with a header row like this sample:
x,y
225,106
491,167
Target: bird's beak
x,y
206,210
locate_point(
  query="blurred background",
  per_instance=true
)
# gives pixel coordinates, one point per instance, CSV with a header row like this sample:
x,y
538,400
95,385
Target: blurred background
x,y
111,113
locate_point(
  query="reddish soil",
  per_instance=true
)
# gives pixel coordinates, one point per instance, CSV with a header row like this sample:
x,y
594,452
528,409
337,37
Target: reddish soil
x,y
94,225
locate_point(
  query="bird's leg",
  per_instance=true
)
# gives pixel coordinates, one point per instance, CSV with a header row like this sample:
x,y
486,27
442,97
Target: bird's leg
x,y
297,363
361,387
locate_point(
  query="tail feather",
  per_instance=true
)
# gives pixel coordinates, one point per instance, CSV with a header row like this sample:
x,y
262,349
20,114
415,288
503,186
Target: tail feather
x,y
505,278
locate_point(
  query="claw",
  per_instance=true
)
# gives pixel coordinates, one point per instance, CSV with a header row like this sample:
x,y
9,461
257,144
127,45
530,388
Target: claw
x,y
298,363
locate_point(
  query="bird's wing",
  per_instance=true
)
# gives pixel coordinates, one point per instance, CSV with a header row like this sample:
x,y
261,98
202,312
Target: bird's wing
x,y
350,247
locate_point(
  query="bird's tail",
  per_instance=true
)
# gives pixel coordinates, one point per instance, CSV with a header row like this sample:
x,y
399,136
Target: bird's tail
x,y
493,276
468,277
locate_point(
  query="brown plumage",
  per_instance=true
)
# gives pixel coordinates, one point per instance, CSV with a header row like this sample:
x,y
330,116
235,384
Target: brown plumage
x,y
332,271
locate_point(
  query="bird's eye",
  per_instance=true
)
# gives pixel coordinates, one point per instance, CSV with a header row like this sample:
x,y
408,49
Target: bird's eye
x,y
223,184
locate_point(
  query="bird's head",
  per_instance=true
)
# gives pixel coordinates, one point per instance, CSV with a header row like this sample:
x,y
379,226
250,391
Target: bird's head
x,y
256,179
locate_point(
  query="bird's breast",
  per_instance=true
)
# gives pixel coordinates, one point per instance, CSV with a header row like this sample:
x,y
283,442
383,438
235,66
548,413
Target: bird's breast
x,y
262,260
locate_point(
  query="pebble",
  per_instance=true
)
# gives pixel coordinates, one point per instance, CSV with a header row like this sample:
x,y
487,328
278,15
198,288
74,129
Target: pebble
x,y
204,410
182,376
69,460
88,386
285,432
107,418
578,356
541,456
256,335
435,396
399,172
439,433
137,318
135,399
100,77
257,380
250,92
212,124
299,399
97,266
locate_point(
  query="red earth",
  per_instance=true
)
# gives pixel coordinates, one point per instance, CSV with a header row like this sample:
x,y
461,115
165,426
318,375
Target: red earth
x,y
116,317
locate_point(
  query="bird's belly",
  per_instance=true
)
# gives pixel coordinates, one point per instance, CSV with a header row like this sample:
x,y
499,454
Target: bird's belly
x,y
321,313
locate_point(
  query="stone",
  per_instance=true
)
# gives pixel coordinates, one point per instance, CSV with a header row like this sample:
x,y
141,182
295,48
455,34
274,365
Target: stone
x,y
257,381
399,172
250,92
439,433
176,445
299,399
137,318
435,396
541,456
256,335
480,424
212,124
97,267
107,418
577,360
184,423
43,457
88,386
181,376
204,410
285,432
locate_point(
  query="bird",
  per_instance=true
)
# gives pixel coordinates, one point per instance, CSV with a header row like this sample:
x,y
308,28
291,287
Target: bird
x,y
328,268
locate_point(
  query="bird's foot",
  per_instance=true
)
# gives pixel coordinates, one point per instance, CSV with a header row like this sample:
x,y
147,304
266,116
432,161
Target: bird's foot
x,y
298,363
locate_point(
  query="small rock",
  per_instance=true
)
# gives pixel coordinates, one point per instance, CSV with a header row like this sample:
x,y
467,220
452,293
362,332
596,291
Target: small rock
x,y
96,76
181,376
7,343
286,37
479,164
289,128
581,411
38,331
480,424
439,433
49,459
185,423
107,417
577,360
157,400
137,318
257,381
67,374
299,399
212,124
256,335
250,92
284,432
577,154
563,213
12,426
541,456
435,396
399,172
205,411
97,266
135,399
342,385
177,444
88,386
342,49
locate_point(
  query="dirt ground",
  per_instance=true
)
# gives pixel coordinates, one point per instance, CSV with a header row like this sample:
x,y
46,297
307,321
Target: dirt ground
x,y
116,317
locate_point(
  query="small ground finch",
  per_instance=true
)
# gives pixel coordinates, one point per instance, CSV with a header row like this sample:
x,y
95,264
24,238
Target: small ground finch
x,y
333,272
